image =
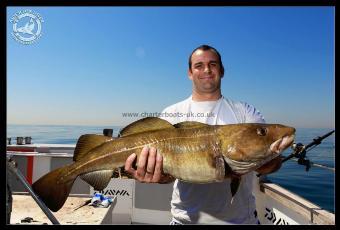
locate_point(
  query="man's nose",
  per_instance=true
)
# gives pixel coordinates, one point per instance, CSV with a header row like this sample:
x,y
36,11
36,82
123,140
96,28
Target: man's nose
x,y
207,69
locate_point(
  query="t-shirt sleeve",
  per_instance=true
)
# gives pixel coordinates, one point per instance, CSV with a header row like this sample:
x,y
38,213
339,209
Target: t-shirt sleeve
x,y
252,115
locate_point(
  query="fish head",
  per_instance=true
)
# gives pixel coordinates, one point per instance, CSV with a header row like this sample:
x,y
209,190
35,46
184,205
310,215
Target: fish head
x,y
246,147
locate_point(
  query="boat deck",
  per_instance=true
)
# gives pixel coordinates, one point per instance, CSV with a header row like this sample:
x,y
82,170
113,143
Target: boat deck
x,y
24,207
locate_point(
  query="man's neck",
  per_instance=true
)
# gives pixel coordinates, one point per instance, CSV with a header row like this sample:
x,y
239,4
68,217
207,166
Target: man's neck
x,y
206,97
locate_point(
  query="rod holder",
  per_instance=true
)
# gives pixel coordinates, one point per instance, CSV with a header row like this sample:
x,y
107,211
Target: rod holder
x,y
20,140
108,132
28,140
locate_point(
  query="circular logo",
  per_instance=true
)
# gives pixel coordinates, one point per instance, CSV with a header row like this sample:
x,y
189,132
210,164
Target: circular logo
x,y
26,26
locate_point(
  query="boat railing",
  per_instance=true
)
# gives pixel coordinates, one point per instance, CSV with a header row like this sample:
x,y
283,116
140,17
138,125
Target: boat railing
x,y
292,201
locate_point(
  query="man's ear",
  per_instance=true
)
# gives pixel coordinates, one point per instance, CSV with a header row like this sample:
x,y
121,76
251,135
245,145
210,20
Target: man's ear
x,y
222,73
189,74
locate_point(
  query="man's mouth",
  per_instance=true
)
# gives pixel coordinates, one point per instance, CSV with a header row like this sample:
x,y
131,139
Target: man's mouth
x,y
207,78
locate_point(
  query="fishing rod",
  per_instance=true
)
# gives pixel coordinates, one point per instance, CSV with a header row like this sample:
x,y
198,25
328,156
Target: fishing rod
x,y
318,165
300,151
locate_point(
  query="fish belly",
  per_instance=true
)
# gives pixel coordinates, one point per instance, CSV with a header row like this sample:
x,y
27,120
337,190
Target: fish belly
x,y
195,161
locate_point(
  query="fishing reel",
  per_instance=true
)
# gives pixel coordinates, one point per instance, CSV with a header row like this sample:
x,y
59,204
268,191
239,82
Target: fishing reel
x,y
300,153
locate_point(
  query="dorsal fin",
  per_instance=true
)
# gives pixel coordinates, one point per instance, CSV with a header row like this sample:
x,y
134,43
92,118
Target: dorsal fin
x,y
87,142
189,124
144,125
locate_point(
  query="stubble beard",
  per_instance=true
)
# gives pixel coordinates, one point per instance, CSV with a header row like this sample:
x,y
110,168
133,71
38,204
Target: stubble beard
x,y
207,87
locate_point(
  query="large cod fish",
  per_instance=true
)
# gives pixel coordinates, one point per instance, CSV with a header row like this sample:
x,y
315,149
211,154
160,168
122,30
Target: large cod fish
x,y
192,152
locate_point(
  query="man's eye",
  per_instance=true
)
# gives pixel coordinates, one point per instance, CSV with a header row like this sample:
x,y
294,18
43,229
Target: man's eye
x,y
262,131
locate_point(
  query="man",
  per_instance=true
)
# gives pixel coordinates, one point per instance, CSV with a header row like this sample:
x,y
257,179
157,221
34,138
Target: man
x,y
205,203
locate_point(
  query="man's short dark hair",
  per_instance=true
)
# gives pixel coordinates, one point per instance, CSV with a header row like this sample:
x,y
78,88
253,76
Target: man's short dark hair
x,y
204,48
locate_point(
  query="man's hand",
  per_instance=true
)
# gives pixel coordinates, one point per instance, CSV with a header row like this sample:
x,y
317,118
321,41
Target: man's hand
x,y
149,167
271,166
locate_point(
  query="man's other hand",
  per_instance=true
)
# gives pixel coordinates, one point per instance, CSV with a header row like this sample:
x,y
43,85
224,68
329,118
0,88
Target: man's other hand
x,y
271,166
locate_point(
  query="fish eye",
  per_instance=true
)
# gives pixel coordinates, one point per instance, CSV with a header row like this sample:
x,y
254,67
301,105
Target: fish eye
x,y
261,131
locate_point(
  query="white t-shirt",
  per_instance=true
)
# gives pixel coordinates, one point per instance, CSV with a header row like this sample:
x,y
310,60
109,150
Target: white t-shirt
x,y
211,203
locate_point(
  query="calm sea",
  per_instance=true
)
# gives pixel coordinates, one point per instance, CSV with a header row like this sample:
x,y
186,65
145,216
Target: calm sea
x,y
316,185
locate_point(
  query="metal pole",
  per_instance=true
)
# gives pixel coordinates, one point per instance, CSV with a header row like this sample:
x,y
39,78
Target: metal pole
x,y
9,199
12,167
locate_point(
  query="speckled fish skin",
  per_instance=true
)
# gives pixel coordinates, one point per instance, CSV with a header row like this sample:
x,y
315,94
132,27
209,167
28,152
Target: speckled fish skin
x,y
192,154
197,154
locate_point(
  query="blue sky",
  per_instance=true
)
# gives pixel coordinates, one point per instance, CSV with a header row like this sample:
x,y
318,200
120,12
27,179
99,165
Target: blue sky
x,y
92,64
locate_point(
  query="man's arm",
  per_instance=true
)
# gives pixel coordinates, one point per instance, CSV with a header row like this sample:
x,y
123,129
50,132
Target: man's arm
x,y
149,167
271,166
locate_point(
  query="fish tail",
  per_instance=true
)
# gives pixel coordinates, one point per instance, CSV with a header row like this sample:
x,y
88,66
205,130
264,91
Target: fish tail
x,y
54,187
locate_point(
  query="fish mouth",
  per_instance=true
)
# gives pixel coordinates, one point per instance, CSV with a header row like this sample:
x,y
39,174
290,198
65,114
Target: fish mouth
x,y
277,147
281,144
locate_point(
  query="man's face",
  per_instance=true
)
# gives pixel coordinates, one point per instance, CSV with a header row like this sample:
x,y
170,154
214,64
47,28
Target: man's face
x,y
205,71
